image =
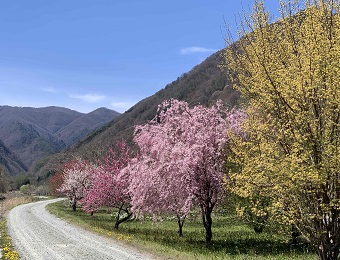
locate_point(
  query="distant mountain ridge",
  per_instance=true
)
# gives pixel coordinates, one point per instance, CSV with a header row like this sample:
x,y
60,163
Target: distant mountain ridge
x,y
30,134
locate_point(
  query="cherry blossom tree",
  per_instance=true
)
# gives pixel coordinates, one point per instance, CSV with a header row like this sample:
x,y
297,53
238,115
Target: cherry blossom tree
x,y
157,192
110,185
181,162
77,178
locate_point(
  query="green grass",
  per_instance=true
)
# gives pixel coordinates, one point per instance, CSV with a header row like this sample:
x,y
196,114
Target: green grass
x,y
232,239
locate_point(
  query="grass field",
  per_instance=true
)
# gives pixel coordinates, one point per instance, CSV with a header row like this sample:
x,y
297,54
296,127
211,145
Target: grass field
x,y
232,239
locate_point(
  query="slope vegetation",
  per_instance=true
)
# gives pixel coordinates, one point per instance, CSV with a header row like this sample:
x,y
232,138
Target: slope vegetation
x,y
29,134
204,84
9,162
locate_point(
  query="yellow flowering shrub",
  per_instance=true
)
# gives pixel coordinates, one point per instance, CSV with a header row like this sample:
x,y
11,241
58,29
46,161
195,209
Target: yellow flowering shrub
x,y
289,70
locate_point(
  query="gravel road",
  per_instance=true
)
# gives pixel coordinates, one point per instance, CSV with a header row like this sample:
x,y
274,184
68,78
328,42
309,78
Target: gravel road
x,y
36,234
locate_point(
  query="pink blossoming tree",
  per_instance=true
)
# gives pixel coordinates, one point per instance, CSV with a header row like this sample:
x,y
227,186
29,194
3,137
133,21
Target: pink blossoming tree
x,y
110,185
77,178
181,162
55,183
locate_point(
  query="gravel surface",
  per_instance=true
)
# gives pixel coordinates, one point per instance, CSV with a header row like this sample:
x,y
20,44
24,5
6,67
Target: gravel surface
x,y
36,234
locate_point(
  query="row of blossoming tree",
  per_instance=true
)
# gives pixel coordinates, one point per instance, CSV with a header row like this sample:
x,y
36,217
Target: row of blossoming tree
x,y
286,162
179,166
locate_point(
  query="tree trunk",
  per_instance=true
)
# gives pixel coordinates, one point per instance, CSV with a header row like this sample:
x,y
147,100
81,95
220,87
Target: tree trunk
x,y
118,216
74,205
258,228
207,222
118,219
328,248
327,252
180,225
117,224
327,237
295,234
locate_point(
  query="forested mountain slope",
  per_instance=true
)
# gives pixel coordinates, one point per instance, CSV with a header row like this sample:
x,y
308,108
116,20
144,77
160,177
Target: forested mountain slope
x,y
9,162
204,84
29,134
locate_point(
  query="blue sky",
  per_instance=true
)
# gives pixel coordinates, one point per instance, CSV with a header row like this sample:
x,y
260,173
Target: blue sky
x,y
85,54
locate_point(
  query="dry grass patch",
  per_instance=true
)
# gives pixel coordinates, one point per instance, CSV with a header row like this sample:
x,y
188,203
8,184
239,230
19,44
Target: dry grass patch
x,y
11,200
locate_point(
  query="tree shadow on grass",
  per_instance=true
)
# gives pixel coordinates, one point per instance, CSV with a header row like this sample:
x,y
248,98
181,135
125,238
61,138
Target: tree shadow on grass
x,y
232,243
229,238
258,247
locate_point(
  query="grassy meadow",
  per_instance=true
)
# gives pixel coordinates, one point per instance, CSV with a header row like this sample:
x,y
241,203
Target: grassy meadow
x,y
232,239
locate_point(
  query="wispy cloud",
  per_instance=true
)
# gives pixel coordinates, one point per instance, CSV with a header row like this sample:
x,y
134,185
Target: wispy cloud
x,y
89,98
51,90
190,50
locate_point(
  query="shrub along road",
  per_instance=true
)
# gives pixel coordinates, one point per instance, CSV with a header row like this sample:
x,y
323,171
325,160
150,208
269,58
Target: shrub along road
x,y
36,234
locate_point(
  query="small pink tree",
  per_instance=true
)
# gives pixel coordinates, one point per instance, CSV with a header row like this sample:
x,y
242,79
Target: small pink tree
x,y
77,178
55,183
181,161
110,185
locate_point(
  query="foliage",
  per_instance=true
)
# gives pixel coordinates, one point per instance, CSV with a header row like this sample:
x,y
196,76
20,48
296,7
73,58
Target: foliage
x,y
19,180
110,186
9,161
4,181
77,177
27,189
254,210
181,162
290,71
42,190
55,182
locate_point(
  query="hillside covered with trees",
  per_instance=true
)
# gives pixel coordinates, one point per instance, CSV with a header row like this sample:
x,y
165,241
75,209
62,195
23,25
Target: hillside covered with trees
x,y
30,134
204,84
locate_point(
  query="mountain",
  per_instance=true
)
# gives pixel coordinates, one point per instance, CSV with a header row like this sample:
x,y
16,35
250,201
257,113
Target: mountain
x,y
204,84
9,162
85,124
31,134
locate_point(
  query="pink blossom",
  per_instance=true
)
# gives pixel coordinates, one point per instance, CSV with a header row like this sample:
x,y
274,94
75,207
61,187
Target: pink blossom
x,y
181,162
110,185
77,178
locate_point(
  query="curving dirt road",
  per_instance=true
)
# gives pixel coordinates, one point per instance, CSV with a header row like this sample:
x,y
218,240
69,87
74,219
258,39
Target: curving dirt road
x,y
36,234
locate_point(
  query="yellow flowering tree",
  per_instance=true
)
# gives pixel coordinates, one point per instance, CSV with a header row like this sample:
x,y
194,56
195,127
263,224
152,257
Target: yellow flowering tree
x,y
290,71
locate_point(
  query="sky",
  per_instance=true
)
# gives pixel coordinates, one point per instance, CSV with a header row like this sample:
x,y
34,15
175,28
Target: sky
x,y
86,54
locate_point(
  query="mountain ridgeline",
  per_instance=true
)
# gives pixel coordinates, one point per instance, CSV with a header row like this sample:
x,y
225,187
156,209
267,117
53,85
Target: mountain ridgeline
x,y
30,134
204,84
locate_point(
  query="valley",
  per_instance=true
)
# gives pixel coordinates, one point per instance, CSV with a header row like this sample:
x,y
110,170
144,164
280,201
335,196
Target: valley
x,y
28,135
